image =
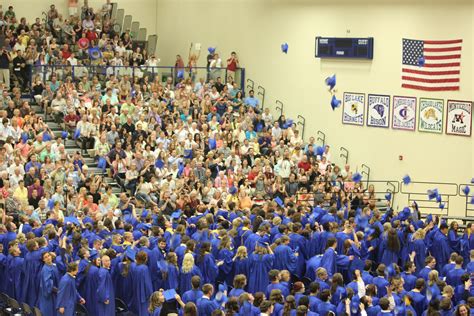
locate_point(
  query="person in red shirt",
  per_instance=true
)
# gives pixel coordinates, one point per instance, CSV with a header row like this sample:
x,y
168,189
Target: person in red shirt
x,y
92,37
304,164
232,65
65,52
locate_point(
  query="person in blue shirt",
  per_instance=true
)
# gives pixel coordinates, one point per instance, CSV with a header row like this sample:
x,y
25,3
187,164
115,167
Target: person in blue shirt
x,y
251,100
206,305
325,307
418,299
195,293
453,276
285,257
274,277
68,295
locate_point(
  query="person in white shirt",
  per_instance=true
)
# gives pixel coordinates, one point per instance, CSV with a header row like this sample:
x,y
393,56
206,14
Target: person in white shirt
x,y
284,167
72,60
276,131
215,65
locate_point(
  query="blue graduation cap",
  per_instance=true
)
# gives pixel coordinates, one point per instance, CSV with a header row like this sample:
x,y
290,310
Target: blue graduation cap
x,y
77,133
331,81
466,190
357,264
429,218
421,61
211,50
433,194
169,295
95,53
72,220
159,163
405,214
220,296
64,134
279,201
439,198
46,137
232,190
388,196
180,169
144,213
176,214
406,180
188,154
212,144
319,150
472,200
335,103
93,254
180,74
130,253
441,206
284,48
390,271
24,137
356,177
51,203
102,163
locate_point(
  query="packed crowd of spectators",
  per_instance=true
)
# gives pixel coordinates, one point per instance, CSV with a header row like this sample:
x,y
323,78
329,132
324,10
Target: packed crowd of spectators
x,y
224,208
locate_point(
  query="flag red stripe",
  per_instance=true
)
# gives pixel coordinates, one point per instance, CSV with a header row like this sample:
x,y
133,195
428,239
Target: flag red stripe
x,y
430,80
443,42
433,73
442,65
410,86
444,49
442,57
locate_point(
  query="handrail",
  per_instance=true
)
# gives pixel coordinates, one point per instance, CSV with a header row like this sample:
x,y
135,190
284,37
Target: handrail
x,y
279,107
261,91
393,186
344,154
321,138
250,85
366,171
302,122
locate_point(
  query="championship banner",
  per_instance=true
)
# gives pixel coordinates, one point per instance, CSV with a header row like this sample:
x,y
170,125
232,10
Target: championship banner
x,y
378,110
353,108
404,113
431,113
459,118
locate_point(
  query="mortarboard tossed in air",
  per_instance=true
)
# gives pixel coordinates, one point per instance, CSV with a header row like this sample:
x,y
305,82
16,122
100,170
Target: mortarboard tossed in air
x,y
176,214
77,133
405,214
319,150
429,218
356,177
331,82
284,48
211,50
406,180
64,134
441,206
24,137
421,61
466,190
279,201
388,196
72,220
335,103
232,190
433,194
472,200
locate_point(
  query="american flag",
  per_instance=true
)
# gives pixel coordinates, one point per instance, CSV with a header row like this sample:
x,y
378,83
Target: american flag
x,y
441,69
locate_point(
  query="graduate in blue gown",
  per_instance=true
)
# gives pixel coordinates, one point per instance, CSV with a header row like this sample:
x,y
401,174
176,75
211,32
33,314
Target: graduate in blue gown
x,y
206,305
207,264
84,262
3,270
195,293
105,291
261,262
285,257
169,271
391,248
408,276
14,272
142,287
241,262
226,256
91,283
31,271
68,295
331,261
188,270
49,282
440,249
123,277
419,301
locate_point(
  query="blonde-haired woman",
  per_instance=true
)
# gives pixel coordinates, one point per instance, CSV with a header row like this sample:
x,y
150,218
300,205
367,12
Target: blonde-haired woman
x,y
241,261
433,291
188,270
417,245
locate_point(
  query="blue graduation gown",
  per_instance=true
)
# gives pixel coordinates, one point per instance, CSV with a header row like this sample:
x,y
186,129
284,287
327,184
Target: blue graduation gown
x,y
3,274
326,307
208,269
312,265
298,243
124,283
410,281
206,307
423,273
453,277
105,291
172,276
277,286
185,279
440,249
260,265
141,289
31,270
241,266
331,261
81,275
15,272
91,283
381,284
49,282
192,296
419,302
67,295
226,269
454,241
285,259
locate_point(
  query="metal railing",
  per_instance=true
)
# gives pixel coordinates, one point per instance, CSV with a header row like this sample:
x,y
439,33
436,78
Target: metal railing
x,y
134,73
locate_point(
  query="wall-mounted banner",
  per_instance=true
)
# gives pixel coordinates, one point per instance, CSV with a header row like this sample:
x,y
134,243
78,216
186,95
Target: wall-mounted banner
x,y
378,110
459,118
404,113
353,108
431,115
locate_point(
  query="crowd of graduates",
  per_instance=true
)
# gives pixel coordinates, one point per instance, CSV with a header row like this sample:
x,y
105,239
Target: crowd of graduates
x,y
223,210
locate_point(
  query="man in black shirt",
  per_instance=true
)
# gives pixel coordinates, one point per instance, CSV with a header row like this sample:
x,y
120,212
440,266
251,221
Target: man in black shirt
x,y
219,85
5,59
19,69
